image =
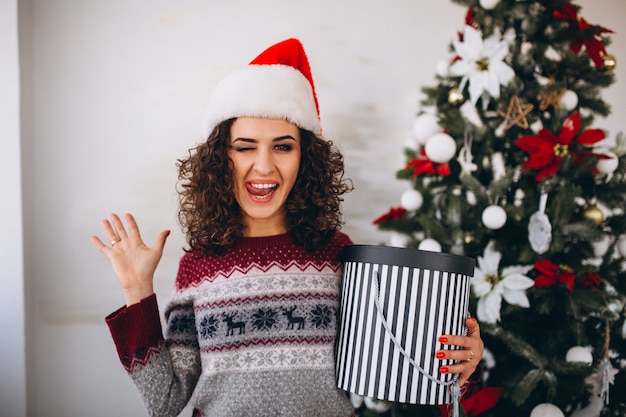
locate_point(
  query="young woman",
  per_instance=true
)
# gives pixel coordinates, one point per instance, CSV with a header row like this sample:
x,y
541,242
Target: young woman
x,y
250,329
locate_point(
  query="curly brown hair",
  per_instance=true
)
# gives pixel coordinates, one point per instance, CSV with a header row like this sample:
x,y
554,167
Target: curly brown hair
x,y
210,215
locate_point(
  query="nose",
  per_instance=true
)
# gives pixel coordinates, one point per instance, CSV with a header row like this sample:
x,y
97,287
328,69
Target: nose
x,y
264,163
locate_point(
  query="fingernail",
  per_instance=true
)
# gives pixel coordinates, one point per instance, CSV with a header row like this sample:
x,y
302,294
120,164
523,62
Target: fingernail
x,y
440,355
443,369
443,339
472,319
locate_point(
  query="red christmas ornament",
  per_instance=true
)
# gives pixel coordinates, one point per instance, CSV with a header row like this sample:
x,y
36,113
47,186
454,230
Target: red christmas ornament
x,y
546,151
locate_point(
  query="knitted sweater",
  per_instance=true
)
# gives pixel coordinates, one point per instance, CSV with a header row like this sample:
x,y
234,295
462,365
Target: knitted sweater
x,y
248,333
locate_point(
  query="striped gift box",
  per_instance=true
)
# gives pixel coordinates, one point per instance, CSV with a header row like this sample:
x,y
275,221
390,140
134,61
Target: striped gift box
x,y
395,303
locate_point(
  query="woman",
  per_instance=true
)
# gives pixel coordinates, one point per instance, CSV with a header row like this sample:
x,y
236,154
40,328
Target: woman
x,y
252,322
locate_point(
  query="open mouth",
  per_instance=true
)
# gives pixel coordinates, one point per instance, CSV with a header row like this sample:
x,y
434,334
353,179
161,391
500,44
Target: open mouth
x,y
261,190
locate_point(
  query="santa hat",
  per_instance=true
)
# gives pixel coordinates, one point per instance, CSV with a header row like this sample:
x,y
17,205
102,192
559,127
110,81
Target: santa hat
x,y
277,84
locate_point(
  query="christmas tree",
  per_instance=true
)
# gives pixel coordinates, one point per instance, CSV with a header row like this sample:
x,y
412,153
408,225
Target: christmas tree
x,y
507,167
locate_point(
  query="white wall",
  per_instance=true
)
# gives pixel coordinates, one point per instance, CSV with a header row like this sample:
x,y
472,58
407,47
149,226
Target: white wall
x,y
12,341
115,93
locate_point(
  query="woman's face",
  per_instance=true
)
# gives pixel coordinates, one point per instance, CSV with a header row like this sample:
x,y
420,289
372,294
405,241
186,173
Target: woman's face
x,y
266,159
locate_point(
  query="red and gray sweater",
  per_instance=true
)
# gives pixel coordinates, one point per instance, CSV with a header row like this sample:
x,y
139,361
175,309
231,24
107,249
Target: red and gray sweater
x,y
248,333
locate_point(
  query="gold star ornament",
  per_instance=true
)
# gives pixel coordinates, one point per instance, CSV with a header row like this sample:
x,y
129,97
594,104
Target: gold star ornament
x,y
516,114
551,98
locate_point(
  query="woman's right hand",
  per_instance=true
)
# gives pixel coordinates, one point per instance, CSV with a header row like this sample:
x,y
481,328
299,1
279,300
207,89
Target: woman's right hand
x,y
133,262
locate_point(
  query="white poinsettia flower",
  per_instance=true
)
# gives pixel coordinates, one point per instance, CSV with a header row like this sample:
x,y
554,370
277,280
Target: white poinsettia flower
x,y
481,62
491,285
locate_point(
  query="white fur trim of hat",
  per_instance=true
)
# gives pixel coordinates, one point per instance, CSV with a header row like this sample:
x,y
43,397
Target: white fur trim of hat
x,y
275,85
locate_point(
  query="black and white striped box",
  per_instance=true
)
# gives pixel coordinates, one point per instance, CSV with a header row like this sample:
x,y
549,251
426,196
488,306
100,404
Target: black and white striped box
x,y
421,295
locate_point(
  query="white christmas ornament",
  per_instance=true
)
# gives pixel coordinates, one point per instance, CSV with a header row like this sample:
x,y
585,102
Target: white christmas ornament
x,y
430,245
579,354
465,158
494,217
539,228
424,127
411,200
440,148
607,166
488,4
546,410
569,100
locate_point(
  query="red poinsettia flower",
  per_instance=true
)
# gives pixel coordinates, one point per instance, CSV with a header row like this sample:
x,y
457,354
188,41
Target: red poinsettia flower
x,y
591,280
551,274
393,214
478,403
423,165
546,151
584,34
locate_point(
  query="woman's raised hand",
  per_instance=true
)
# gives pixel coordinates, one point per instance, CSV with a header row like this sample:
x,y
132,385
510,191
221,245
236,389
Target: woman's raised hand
x,y
133,262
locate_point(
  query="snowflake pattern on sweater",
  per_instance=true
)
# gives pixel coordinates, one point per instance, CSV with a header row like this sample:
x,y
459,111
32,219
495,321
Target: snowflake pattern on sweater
x,y
250,332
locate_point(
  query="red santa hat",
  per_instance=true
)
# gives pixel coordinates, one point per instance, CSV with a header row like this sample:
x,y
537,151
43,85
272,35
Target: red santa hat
x,y
277,84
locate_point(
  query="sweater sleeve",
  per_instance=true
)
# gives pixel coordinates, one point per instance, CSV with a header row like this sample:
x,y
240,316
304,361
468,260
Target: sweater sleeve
x,y
136,331
165,370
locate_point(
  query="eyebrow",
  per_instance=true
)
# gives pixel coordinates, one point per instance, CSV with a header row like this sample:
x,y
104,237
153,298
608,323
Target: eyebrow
x,y
277,139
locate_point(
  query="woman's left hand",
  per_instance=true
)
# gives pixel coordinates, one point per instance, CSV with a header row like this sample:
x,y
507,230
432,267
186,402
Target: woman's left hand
x,y
466,359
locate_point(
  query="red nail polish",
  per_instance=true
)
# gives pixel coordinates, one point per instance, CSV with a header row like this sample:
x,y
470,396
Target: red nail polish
x,y
443,369
440,355
443,339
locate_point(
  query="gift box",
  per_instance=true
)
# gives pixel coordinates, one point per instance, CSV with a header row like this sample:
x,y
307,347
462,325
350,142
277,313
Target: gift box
x,y
395,303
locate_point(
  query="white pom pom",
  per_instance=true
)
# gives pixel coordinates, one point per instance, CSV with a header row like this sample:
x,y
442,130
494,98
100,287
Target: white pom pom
x,y
569,100
430,245
494,217
489,4
546,410
579,354
411,200
424,127
607,166
440,148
